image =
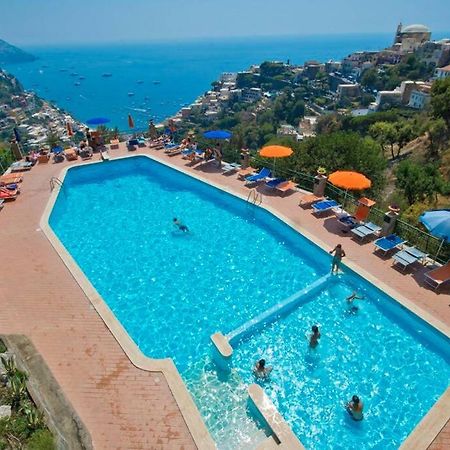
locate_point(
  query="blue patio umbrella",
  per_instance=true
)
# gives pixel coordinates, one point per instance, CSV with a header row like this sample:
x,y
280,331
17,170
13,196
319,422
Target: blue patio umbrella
x,y
437,222
98,121
217,134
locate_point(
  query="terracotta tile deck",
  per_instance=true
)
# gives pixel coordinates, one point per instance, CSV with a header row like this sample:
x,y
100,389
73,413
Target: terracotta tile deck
x,y
124,407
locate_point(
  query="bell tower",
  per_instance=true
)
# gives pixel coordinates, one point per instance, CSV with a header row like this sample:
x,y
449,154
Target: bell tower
x,y
397,38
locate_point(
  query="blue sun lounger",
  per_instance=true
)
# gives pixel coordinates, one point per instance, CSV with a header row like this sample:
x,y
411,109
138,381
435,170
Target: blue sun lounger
x,y
324,206
409,256
261,175
366,230
272,184
388,243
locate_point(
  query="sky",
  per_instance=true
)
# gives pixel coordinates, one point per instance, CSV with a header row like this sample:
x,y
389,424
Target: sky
x,y
43,22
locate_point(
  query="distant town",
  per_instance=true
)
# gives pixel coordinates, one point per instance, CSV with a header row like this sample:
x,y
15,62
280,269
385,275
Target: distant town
x,y
363,82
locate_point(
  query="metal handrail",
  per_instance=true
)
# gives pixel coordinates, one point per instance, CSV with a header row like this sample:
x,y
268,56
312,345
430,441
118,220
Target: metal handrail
x,y
55,181
254,197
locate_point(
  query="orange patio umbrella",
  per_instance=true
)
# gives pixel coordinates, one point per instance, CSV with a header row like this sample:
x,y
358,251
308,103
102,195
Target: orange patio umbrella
x,y
130,121
353,181
275,151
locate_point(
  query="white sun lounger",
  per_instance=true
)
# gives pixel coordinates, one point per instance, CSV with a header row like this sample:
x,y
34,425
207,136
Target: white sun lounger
x,y
230,168
368,229
408,256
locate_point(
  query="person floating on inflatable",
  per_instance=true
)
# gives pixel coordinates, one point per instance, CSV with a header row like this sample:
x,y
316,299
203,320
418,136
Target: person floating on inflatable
x,y
180,225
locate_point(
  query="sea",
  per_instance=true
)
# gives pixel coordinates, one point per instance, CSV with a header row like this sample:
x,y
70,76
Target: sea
x,y
154,80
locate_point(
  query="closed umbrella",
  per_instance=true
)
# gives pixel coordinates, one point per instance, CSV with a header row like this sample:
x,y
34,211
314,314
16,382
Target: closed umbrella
x,y
437,222
130,121
353,181
69,129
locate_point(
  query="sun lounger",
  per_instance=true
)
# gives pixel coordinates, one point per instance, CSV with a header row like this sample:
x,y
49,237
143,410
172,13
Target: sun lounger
x,y
71,154
246,172
285,186
366,230
388,243
7,194
228,168
114,144
141,142
260,176
274,182
324,206
409,256
437,277
309,199
10,178
20,166
348,222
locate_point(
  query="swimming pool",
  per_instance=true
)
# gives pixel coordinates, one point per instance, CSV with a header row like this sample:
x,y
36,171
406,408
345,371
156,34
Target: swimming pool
x,y
172,290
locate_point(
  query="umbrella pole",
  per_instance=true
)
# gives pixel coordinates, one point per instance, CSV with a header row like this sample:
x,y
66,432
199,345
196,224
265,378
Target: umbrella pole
x,y
439,250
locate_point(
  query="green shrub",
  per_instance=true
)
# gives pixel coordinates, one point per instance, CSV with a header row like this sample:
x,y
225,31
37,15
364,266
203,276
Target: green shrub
x,y
41,440
2,347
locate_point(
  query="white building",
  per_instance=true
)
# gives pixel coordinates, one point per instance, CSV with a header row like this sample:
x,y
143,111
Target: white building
x,y
251,95
419,99
228,77
442,72
386,99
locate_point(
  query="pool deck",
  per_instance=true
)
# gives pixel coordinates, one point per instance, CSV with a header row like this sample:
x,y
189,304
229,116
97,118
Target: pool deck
x,y
122,406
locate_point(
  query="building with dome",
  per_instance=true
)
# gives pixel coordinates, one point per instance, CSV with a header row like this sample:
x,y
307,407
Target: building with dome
x,y
409,38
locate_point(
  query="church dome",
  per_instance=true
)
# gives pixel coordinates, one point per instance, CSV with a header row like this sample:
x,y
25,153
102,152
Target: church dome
x,y
416,28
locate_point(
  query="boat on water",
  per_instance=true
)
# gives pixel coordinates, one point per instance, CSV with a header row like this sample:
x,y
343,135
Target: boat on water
x,y
157,82
73,74
139,81
130,94
106,75
63,70
77,83
81,78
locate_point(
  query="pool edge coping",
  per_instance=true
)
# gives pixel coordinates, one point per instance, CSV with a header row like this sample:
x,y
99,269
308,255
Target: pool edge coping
x,y
189,411
435,418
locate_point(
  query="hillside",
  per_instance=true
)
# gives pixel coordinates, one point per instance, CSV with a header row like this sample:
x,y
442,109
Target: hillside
x,y
9,54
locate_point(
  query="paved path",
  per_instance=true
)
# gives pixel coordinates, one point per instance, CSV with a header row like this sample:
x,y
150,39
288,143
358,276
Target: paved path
x,y
124,407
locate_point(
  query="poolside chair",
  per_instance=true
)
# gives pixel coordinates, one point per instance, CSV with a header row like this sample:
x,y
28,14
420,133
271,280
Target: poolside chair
x,y
172,149
246,172
20,166
285,186
8,194
260,176
141,142
132,145
366,230
308,199
274,182
70,154
10,178
409,256
114,144
348,222
437,277
228,168
388,243
324,206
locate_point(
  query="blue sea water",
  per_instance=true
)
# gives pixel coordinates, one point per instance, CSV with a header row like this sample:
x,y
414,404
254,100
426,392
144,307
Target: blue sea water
x,y
171,290
185,70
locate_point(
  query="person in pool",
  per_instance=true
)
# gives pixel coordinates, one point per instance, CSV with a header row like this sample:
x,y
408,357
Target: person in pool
x,y
350,299
260,370
180,225
315,336
355,408
338,255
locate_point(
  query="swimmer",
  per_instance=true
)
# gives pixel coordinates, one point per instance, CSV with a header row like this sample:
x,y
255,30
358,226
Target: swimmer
x,y
260,370
339,253
315,336
350,299
355,408
180,225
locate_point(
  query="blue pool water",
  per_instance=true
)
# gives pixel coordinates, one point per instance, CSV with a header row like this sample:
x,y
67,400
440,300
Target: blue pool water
x,y
172,290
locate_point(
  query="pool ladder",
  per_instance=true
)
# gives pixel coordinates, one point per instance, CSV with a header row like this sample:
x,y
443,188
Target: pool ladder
x,y
254,197
55,181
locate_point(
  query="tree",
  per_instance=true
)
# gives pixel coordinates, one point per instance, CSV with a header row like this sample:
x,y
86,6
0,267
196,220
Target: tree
x,y
418,181
52,139
440,100
384,133
437,134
